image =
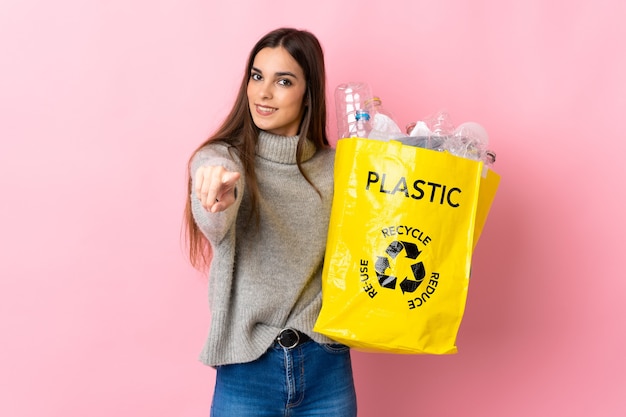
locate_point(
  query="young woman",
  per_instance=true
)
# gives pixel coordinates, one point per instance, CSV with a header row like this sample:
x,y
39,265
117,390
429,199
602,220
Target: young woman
x,y
260,196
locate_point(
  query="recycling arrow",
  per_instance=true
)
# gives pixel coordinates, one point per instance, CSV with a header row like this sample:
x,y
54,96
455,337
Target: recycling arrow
x,y
417,269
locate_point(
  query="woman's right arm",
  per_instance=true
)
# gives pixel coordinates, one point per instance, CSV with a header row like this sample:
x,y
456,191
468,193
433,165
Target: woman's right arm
x,y
217,188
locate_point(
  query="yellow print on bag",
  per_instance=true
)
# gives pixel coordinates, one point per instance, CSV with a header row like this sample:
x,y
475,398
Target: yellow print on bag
x,y
399,268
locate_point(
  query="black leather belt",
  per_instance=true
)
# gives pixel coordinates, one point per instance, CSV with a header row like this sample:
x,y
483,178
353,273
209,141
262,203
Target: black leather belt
x,y
290,338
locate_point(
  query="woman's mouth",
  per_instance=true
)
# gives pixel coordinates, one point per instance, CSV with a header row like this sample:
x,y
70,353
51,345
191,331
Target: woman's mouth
x,y
264,110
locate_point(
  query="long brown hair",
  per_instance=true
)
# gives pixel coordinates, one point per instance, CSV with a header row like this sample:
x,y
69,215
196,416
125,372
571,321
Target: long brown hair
x,y
240,133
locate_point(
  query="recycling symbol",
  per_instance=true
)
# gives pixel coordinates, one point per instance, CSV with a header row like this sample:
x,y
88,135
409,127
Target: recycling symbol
x,y
408,284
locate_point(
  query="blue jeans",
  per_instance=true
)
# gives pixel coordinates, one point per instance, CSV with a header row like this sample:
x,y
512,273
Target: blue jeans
x,y
308,380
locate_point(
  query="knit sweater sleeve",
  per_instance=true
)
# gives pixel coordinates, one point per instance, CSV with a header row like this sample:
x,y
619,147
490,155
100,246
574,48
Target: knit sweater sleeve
x,y
215,225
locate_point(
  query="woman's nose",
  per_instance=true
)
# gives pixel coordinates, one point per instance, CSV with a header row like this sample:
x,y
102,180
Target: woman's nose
x,y
265,90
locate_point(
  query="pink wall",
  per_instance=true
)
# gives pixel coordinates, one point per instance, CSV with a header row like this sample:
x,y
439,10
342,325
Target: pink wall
x,y
101,103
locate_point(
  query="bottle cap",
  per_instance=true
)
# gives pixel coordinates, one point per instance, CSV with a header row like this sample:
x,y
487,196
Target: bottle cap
x,y
362,114
374,100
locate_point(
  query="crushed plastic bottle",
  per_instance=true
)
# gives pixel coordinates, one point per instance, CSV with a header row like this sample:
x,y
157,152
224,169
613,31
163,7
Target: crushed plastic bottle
x,y
440,124
418,128
470,140
384,126
421,136
442,129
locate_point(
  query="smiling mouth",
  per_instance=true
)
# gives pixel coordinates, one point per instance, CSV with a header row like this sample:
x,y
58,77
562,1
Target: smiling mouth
x,y
265,111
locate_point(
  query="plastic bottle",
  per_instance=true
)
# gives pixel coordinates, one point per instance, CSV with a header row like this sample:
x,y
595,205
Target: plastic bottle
x,y
363,124
421,136
470,140
349,98
489,158
440,123
419,128
442,130
384,126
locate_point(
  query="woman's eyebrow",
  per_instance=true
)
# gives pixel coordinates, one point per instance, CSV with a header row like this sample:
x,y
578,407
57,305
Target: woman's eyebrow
x,y
278,74
286,73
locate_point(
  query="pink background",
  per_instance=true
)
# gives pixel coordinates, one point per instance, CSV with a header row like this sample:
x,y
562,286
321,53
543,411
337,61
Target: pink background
x,y
101,103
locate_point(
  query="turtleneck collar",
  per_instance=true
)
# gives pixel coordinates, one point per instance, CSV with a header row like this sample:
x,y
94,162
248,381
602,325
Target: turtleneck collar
x,y
282,149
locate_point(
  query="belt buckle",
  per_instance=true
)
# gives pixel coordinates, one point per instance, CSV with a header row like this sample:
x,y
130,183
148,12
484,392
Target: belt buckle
x,y
288,338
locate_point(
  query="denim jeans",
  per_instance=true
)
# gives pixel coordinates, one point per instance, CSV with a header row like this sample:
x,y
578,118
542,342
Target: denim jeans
x,y
308,380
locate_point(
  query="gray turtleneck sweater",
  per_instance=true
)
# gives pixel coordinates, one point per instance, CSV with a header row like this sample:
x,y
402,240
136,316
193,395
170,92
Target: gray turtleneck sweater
x,y
263,280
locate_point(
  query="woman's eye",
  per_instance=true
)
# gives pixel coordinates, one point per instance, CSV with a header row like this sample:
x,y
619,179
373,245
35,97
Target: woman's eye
x,y
284,82
256,77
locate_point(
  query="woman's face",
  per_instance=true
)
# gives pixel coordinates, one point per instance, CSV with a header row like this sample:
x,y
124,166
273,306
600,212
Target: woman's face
x,y
276,91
